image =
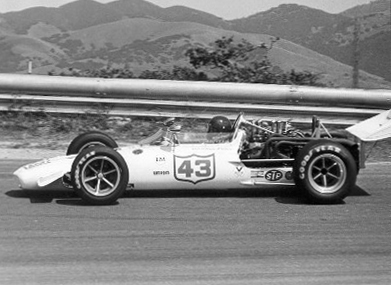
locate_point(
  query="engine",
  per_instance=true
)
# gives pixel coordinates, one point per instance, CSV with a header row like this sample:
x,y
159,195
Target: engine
x,y
260,131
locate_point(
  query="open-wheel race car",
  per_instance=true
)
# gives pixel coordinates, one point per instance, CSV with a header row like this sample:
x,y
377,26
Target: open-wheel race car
x,y
240,155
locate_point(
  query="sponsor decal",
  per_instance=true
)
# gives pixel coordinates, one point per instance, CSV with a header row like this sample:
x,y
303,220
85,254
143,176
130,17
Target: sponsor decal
x,y
158,172
273,175
257,174
160,160
239,171
36,164
289,175
194,168
211,147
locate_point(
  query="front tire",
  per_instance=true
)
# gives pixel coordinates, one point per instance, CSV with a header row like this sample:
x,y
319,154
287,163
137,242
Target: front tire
x,y
99,175
90,139
325,171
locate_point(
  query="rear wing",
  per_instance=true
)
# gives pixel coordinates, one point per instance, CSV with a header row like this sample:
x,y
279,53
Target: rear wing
x,y
373,129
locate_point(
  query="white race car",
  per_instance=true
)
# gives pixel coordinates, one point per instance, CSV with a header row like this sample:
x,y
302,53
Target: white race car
x,y
242,155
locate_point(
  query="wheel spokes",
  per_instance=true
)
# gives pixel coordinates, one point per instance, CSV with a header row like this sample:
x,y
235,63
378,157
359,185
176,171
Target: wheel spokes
x,y
318,175
323,162
109,172
97,188
108,182
101,176
325,180
89,179
333,176
331,166
327,173
93,169
101,165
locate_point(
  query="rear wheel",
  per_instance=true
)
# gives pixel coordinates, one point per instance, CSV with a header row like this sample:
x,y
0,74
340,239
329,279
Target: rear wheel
x,y
90,139
325,171
99,175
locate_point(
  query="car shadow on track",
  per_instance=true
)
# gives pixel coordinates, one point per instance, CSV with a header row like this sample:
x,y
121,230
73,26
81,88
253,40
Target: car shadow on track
x,y
283,195
47,196
298,199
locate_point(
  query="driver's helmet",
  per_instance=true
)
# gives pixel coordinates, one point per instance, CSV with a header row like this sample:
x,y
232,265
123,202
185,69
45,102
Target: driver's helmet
x,y
219,124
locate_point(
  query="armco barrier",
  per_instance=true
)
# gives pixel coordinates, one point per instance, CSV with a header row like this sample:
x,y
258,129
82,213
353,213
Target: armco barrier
x,y
188,99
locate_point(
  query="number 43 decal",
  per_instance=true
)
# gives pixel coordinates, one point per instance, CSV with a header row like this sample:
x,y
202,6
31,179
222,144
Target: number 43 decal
x,y
194,168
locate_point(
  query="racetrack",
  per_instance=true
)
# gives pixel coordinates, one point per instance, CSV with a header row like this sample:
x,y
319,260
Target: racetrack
x,y
184,237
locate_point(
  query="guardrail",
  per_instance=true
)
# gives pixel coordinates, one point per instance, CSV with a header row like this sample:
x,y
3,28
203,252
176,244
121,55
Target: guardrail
x,y
137,97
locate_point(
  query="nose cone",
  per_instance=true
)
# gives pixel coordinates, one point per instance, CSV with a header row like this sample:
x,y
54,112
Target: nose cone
x,y
42,173
26,179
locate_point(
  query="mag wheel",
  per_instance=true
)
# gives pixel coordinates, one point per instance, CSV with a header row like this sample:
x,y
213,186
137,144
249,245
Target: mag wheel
x,y
325,171
90,139
99,175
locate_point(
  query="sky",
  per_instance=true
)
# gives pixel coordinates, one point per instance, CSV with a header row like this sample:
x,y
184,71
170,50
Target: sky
x,y
227,9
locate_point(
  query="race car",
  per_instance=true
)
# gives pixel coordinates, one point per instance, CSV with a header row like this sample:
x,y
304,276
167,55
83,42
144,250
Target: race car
x,y
240,155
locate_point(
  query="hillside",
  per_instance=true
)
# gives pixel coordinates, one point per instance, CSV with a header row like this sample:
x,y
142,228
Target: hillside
x,y
142,36
291,22
17,50
330,34
87,13
73,16
373,8
145,44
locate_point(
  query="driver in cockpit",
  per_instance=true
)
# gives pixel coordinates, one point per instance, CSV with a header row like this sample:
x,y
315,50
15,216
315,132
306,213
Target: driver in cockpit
x,y
219,129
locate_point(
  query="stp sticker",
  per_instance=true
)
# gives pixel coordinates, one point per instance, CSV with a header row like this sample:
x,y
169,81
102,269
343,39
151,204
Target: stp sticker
x,y
194,168
273,175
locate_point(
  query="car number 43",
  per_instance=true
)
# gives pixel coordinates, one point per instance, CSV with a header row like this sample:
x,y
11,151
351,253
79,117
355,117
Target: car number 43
x,y
194,168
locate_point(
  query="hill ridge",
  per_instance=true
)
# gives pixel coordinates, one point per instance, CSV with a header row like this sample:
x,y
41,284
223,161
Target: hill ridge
x,y
325,33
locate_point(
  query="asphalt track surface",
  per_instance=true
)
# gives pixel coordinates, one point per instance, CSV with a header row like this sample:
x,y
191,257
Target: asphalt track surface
x,y
182,237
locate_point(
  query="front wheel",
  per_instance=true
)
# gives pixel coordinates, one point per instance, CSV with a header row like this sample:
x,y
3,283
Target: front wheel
x,y
99,175
325,171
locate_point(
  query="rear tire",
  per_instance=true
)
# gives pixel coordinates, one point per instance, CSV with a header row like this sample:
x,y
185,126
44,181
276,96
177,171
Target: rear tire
x,y
325,171
90,139
99,175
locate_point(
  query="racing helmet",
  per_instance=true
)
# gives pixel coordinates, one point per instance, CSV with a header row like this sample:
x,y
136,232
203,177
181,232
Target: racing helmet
x,y
219,124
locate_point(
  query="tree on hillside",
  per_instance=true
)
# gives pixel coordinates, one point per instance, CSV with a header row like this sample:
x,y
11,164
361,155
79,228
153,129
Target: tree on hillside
x,y
232,60
177,73
106,72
